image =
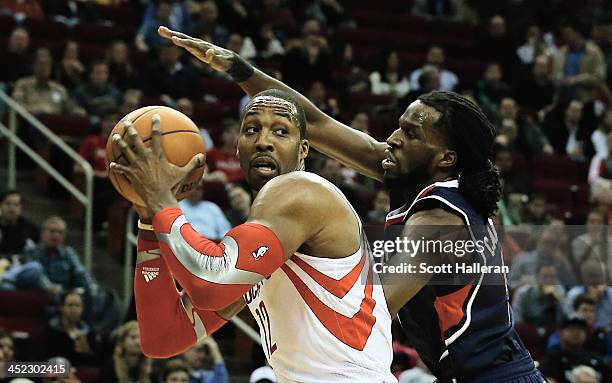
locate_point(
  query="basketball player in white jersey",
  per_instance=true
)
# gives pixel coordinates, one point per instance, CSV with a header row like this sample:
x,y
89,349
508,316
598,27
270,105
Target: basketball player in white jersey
x,y
301,261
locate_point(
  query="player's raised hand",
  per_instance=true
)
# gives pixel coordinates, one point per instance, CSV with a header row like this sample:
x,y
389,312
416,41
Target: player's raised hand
x,y
219,59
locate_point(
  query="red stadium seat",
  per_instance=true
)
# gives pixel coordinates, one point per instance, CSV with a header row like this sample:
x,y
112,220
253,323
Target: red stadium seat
x,y
103,33
23,303
47,29
557,191
215,192
552,166
72,126
362,99
531,338
89,374
119,14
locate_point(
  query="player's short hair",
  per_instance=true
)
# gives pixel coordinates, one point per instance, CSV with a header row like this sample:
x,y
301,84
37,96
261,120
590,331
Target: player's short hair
x,y
277,93
174,365
4,195
583,299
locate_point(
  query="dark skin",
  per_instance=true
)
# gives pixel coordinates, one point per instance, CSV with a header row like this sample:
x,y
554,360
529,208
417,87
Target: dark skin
x,y
302,210
417,144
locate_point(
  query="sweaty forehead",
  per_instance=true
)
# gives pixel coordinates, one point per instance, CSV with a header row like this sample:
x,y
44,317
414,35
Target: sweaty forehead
x,y
420,114
275,104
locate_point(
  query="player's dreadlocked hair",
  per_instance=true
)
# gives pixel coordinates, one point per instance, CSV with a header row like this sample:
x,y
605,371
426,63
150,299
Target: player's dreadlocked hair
x,y
471,135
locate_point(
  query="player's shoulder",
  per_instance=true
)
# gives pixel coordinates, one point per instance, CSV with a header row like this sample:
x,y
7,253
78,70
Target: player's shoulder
x,y
311,190
435,216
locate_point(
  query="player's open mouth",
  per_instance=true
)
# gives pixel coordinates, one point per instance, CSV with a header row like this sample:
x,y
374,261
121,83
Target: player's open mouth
x,y
264,166
389,162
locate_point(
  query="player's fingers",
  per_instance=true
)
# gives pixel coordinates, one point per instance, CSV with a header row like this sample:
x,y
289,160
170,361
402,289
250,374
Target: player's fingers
x,y
121,169
124,148
169,33
193,164
156,136
133,138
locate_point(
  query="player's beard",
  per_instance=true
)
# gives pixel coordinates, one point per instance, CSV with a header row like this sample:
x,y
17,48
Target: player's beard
x,y
406,183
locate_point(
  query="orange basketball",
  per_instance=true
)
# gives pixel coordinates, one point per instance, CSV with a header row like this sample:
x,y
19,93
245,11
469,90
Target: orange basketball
x,y
181,141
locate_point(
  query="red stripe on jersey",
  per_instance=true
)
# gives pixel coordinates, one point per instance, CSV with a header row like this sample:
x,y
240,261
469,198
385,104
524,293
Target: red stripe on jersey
x,y
338,287
402,217
450,308
354,331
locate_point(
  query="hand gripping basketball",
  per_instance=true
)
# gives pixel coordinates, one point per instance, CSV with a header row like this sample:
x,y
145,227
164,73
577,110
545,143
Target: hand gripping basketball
x,y
153,177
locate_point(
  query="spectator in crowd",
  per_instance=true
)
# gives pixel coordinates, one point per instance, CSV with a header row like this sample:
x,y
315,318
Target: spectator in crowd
x,y
68,335
93,149
147,37
16,231
239,16
511,249
540,304
327,12
70,70
41,95
495,44
170,79
595,286
436,58
240,205
350,75
456,10
221,161
205,363
595,244
579,66
207,26
599,138
378,213
16,61
128,363
175,371
333,171
131,101
263,374
185,106
548,251
600,176
307,62
243,45
389,79
534,46
61,264
361,122
317,94
519,131
599,341
571,353
567,135
513,181
536,89
71,12
268,46
7,346
22,9
69,376
98,96
429,80
206,217
492,89
536,212
180,17
583,374
122,73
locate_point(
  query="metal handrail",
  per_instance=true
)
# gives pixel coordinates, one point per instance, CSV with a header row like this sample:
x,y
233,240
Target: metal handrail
x,y
130,242
14,141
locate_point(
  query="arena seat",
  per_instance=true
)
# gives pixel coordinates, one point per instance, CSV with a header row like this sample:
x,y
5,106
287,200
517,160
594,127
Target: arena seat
x,y
103,33
557,191
121,14
221,87
361,99
553,166
215,192
89,374
70,126
531,338
47,29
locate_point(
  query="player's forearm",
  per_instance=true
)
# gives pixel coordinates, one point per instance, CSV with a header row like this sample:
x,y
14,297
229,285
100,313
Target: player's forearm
x,y
168,324
216,275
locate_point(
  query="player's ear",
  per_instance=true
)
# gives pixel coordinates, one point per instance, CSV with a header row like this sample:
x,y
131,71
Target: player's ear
x,y
304,147
447,159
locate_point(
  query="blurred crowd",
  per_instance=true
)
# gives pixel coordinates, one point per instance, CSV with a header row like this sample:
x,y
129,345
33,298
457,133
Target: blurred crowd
x,y
540,69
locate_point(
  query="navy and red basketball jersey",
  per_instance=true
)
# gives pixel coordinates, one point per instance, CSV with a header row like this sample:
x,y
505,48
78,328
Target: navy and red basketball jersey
x,y
464,331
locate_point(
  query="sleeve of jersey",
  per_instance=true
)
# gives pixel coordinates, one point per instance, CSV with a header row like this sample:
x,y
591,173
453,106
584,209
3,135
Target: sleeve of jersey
x,y
166,329
216,275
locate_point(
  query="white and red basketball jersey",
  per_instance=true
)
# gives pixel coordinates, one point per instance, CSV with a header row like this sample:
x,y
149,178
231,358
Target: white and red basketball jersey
x,y
325,320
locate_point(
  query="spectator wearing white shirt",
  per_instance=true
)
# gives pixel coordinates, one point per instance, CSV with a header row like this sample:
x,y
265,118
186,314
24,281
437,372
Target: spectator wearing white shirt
x,y
205,217
599,138
435,57
600,175
390,80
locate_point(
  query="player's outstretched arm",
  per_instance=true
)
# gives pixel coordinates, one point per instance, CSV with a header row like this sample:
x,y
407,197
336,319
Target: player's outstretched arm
x,y
169,324
429,225
349,146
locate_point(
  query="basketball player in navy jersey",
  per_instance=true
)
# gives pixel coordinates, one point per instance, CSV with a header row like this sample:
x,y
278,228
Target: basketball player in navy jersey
x,y
438,167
